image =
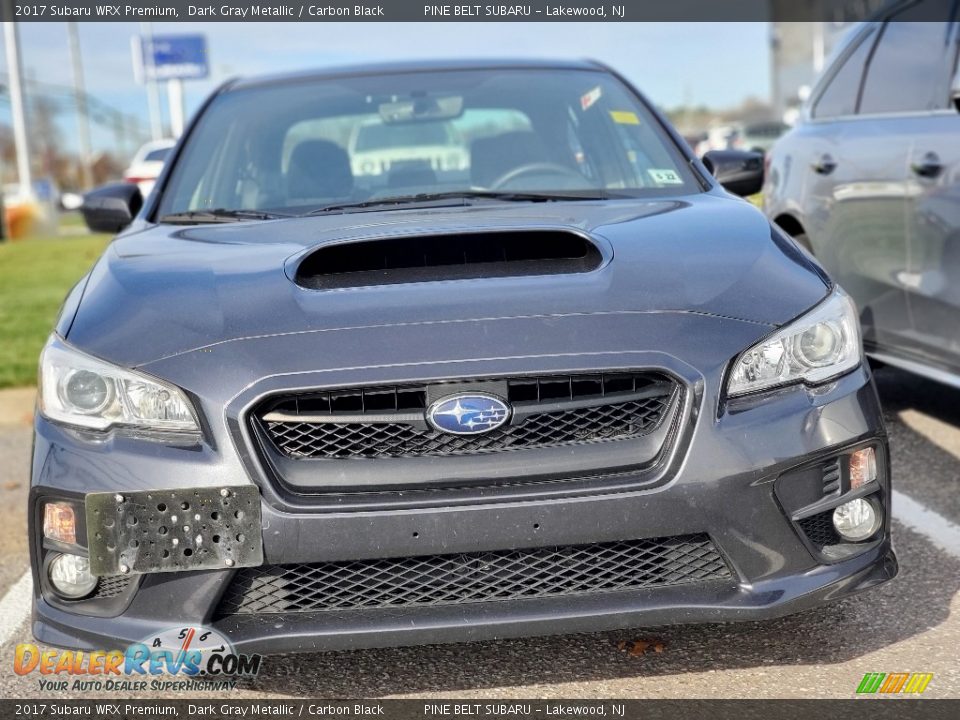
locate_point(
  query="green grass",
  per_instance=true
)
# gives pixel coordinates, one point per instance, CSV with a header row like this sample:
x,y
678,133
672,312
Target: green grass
x,y
72,220
35,276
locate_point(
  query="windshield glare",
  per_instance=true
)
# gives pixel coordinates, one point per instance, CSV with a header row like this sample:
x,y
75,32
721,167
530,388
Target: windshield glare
x,y
297,146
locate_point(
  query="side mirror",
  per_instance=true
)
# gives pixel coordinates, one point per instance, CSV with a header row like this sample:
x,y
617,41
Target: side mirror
x,y
112,207
739,171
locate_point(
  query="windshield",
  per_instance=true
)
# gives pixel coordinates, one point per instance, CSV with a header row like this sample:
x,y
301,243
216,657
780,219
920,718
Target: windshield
x,y
158,155
297,146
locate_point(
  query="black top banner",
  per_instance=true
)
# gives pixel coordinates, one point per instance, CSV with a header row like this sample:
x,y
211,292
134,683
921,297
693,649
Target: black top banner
x,y
451,709
419,11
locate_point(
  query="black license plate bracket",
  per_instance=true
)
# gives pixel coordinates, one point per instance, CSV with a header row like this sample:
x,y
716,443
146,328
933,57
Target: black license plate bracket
x,y
174,530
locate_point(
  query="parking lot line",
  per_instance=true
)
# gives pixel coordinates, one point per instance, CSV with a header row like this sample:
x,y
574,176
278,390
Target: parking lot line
x,y
933,429
15,606
921,519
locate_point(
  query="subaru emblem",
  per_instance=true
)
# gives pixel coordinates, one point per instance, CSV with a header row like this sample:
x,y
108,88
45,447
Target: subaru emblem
x,y
468,413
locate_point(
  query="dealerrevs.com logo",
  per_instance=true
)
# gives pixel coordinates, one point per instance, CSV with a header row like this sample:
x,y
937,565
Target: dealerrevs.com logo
x,y
894,683
184,658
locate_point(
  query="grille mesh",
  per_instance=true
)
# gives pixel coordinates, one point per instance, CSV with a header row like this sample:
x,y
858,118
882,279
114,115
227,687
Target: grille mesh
x,y
819,529
393,439
108,587
433,580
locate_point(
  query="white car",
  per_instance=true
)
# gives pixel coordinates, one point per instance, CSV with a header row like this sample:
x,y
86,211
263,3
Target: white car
x,y
147,164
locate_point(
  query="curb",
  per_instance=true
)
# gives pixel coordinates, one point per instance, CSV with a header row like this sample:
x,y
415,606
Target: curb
x,y
16,406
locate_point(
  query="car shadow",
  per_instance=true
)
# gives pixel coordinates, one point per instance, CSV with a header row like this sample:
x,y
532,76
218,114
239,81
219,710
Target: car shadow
x,y
899,390
918,600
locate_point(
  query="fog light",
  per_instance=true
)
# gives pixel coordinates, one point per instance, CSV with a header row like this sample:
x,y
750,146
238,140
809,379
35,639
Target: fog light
x,y
863,467
59,522
856,520
70,576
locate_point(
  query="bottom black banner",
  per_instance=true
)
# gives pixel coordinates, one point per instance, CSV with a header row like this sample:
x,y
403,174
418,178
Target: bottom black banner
x,y
858,709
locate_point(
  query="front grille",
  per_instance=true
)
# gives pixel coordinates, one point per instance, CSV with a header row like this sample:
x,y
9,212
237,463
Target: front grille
x,y
433,580
390,422
371,440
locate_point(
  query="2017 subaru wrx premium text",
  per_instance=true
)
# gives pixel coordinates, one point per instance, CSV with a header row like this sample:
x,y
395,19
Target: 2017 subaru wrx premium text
x,y
567,382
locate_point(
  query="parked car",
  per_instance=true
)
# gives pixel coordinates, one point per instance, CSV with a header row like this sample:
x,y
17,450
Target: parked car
x,y
719,137
583,387
693,140
869,182
760,136
147,164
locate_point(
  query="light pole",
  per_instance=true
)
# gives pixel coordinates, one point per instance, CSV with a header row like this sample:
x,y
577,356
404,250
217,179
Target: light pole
x,y
153,95
83,111
175,102
12,41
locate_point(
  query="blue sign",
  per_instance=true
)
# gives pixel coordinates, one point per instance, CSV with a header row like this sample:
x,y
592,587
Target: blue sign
x,y
169,57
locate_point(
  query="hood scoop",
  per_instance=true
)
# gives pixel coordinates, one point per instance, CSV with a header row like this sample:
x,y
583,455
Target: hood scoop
x,y
451,256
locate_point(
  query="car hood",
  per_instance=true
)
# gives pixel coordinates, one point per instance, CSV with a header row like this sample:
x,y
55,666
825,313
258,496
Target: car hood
x,y
161,291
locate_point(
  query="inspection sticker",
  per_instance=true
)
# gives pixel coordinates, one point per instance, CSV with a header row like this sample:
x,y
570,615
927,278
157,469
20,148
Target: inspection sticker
x,y
589,98
665,176
625,117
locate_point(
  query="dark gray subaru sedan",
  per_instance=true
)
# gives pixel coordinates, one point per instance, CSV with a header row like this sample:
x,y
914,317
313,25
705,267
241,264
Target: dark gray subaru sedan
x,y
443,352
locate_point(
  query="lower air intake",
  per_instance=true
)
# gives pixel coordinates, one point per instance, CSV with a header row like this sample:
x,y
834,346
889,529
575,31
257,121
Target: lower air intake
x,y
819,529
433,580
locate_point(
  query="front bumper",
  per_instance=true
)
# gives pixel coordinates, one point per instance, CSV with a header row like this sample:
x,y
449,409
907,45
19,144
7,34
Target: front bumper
x,y
488,621
724,485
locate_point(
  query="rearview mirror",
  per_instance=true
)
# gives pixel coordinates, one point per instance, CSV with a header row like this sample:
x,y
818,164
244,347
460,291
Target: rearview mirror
x,y
420,109
739,171
112,207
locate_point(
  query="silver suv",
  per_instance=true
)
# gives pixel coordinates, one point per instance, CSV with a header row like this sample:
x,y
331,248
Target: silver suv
x,y
869,182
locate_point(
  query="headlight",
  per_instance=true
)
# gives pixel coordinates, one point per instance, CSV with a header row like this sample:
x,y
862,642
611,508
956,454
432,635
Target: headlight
x,y
821,345
78,389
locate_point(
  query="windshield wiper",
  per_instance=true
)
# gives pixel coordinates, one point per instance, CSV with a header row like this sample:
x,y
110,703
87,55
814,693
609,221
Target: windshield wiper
x,y
219,215
429,199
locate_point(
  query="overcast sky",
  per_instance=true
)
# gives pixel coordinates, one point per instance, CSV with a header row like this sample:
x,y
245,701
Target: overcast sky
x,y
673,63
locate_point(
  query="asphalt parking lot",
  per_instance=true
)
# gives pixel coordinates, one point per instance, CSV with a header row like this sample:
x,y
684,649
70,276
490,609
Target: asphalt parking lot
x,y
909,625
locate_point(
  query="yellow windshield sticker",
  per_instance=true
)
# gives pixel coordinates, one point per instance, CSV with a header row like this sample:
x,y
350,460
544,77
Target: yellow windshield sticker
x,y
625,117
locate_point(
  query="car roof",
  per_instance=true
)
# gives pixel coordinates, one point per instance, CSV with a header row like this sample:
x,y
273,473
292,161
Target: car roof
x,y
415,66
